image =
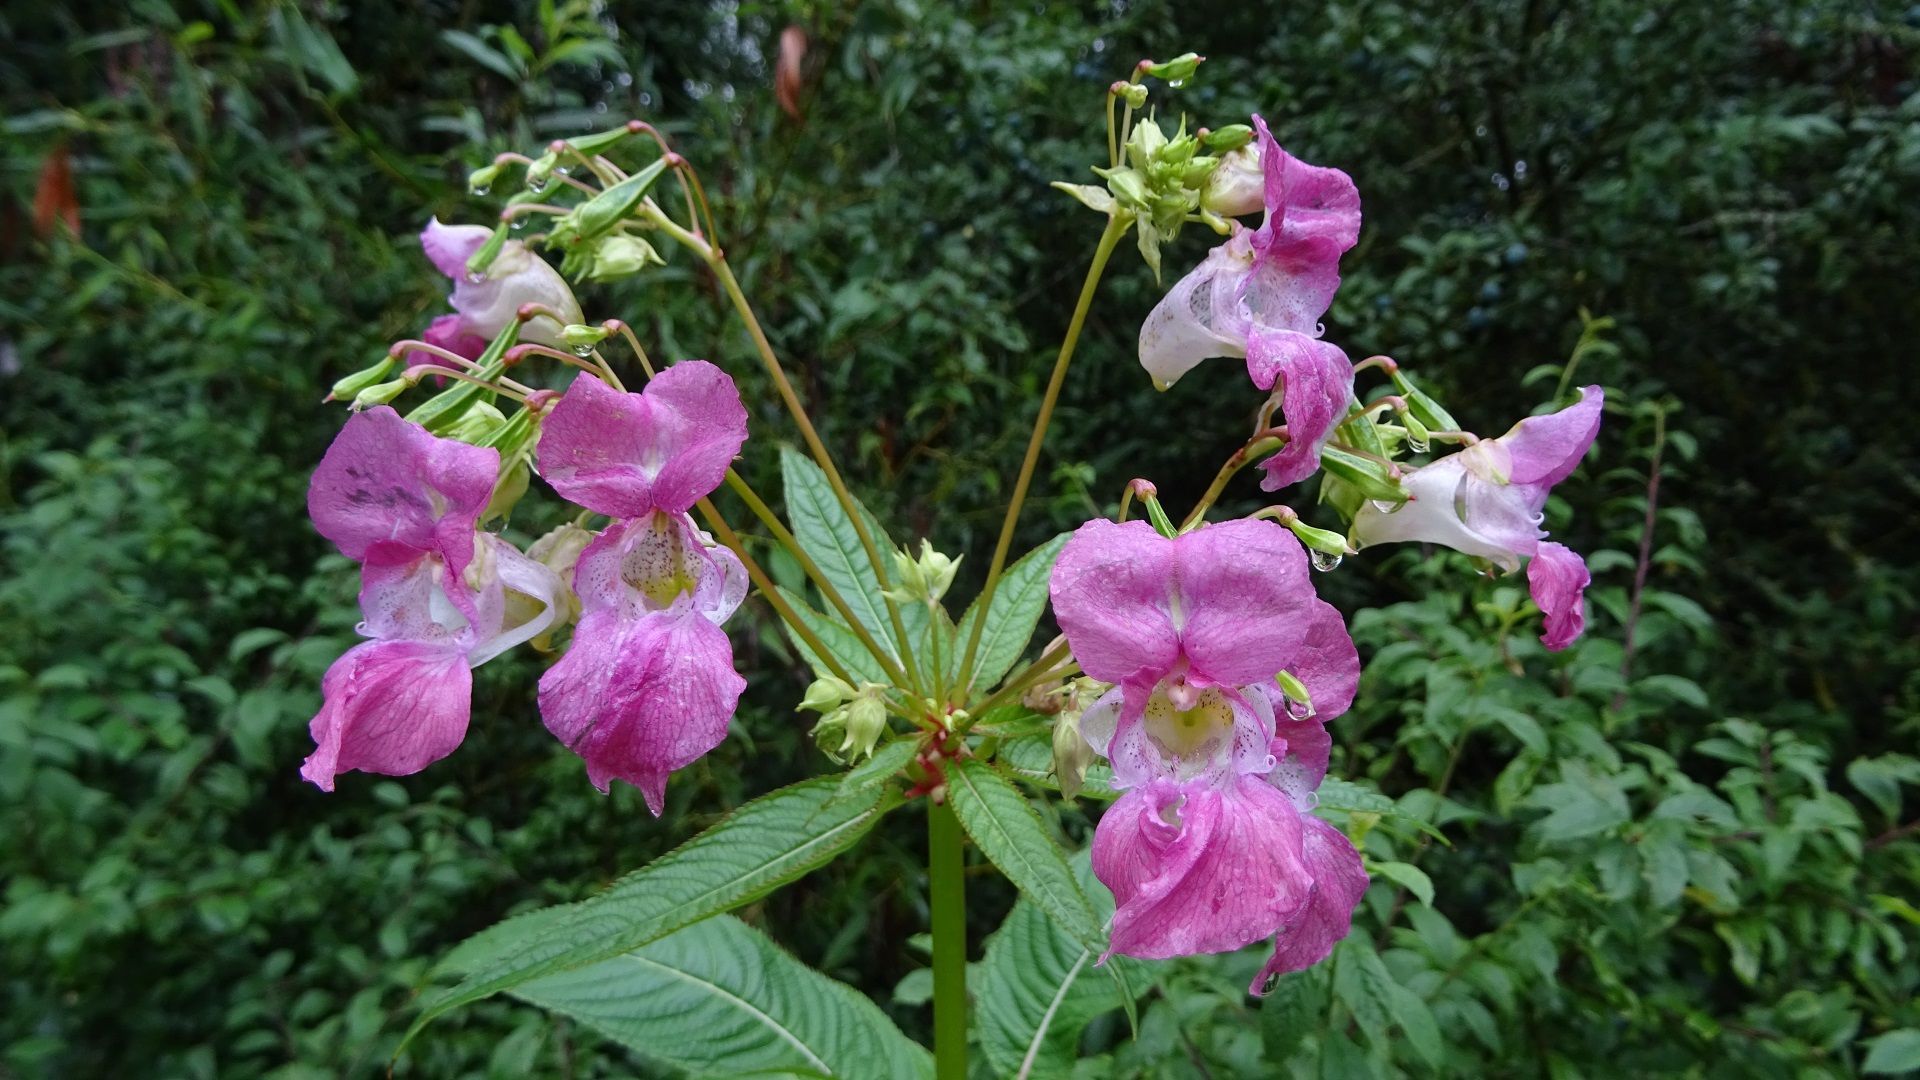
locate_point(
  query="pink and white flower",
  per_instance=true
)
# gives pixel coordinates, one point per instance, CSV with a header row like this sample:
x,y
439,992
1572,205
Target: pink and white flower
x,y
648,685
1487,500
484,304
1260,296
436,594
1211,847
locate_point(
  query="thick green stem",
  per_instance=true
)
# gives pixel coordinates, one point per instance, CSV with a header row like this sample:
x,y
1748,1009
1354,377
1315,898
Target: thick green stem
x,y
1116,228
946,882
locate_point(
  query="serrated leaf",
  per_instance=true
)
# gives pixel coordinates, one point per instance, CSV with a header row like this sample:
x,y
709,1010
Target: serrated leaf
x,y
835,635
719,998
1006,829
1037,989
1030,758
1018,602
828,536
876,770
756,849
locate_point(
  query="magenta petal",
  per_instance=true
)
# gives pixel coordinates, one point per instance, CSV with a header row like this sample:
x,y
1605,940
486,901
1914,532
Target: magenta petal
x,y
1327,664
391,707
449,333
625,454
650,563
385,479
1110,593
1546,449
1303,749
1558,579
1200,317
1313,212
640,698
1243,596
1197,868
1318,386
448,247
1339,881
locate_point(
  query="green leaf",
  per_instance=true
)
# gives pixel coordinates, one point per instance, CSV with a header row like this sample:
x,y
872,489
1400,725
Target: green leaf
x,y
827,535
1036,988
835,635
1030,758
1018,602
874,772
482,53
1337,794
1011,835
1894,1052
1412,877
719,998
756,849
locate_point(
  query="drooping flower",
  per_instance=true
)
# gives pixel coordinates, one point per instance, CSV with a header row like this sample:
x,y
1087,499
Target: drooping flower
x,y
484,304
400,702
1210,848
435,593
1486,500
1260,296
648,685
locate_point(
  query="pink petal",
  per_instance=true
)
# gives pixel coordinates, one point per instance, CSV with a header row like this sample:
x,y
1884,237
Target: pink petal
x,y
1119,724
385,479
1313,212
503,626
391,707
1327,664
517,277
1450,505
1303,748
640,698
1243,596
1546,449
1110,594
448,247
448,332
1558,579
1318,388
1199,868
625,454
407,596
655,562
1339,881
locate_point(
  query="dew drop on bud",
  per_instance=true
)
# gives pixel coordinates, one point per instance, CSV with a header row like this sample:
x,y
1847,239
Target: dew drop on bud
x,y
1385,506
479,191
583,351
1418,446
536,183
1325,560
518,224
562,170
475,277
1300,710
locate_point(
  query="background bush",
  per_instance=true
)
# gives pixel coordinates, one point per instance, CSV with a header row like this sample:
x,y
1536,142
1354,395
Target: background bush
x,y
1685,846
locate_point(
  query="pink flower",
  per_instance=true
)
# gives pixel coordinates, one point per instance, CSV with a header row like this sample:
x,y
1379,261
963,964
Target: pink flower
x,y
400,702
485,304
1211,847
1486,500
648,685
1260,296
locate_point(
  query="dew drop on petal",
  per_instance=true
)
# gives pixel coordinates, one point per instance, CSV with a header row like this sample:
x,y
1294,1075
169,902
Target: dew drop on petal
x,y
475,277
1385,506
1325,560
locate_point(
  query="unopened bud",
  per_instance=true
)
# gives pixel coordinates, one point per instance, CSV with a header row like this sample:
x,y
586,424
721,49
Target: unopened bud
x,y
506,492
825,695
481,179
1129,186
540,173
1227,139
924,579
1324,540
622,256
1374,480
478,424
1236,186
582,336
1145,143
349,388
380,394
830,733
1135,95
866,722
1177,70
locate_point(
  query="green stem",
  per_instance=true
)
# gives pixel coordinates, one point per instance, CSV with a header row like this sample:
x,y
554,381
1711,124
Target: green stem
x,y
1259,444
1116,228
786,539
717,262
946,882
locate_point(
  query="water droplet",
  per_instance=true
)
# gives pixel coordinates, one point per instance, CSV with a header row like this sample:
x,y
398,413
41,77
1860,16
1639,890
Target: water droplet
x,y
1418,446
1313,800
1385,506
562,170
1300,710
1325,560
536,183
479,190
518,223
1176,83
1272,981
583,351
476,277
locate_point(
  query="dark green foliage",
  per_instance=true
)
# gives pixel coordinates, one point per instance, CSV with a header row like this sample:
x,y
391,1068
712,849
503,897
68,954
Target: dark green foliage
x,y
1698,858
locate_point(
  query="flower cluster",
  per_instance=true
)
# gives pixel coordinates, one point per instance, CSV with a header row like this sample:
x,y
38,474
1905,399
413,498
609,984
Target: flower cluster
x,y
647,684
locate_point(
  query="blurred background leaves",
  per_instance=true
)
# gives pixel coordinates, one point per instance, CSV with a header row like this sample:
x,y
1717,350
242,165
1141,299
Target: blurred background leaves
x,y
1685,846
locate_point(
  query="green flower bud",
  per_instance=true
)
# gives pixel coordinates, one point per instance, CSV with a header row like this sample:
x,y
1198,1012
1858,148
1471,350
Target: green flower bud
x,y
1294,689
540,173
379,394
866,722
476,425
1428,410
1129,186
830,732
622,256
1071,754
1145,143
1177,70
506,492
1321,540
1134,95
1373,479
481,179
1227,139
924,579
580,336
825,695
349,388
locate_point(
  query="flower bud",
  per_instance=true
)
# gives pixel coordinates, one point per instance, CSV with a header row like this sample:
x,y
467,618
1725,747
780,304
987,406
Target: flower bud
x,y
1236,185
380,394
866,722
506,492
1420,405
1134,94
1145,143
481,179
825,695
830,733
1177,70
579,336
476,425
925,579
622,256
540,173
1227,139
349,388
1323,540
1129,186
1373,479
1071,754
